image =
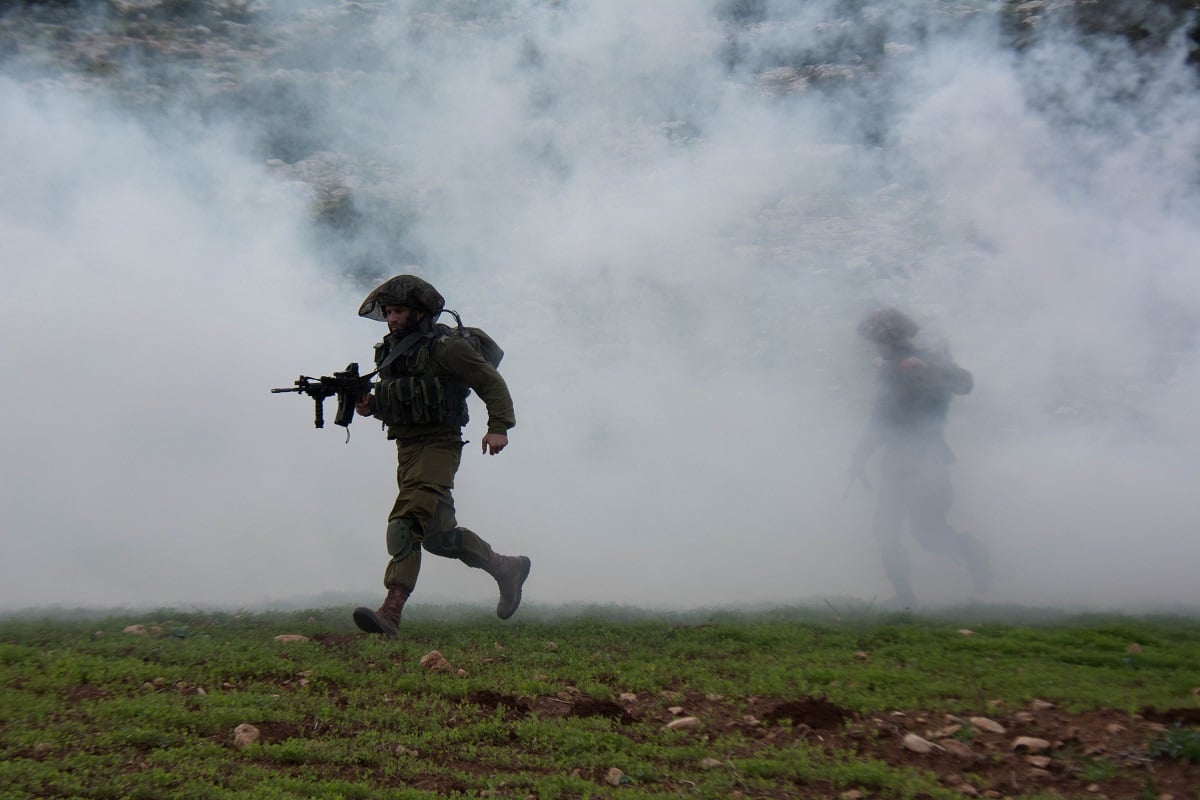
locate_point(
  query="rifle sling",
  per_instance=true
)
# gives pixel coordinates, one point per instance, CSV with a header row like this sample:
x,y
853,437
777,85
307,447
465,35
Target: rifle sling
x,y
400,349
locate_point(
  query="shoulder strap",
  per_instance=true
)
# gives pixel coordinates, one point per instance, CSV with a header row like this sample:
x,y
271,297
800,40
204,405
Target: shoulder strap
x,y
402,348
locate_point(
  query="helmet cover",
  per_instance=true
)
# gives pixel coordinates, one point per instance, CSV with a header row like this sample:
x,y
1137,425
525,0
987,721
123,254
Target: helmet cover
x,y
402,290
887,325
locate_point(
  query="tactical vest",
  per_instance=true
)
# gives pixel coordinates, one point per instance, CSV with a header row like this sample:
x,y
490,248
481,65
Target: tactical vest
x,y
415,395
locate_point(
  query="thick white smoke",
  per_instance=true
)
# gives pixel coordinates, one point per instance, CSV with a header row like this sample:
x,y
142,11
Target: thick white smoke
x,y
672,226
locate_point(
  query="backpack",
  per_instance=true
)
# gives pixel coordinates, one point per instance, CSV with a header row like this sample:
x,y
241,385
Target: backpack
x,y
485,345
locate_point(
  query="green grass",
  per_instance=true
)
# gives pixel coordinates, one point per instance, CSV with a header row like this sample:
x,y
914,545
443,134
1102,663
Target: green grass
x,y
87,711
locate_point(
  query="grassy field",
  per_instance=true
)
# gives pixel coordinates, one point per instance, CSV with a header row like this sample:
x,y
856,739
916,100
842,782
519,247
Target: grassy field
x,y
790,703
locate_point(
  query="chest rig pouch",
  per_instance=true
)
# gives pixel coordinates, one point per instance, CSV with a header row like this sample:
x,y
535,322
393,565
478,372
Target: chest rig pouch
x,y
410,393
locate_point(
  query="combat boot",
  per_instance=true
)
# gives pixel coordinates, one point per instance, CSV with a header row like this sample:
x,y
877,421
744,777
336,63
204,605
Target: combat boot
x,y
385,620
510,573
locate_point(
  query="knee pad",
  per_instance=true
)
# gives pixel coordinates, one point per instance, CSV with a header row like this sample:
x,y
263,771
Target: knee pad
x,y
403,536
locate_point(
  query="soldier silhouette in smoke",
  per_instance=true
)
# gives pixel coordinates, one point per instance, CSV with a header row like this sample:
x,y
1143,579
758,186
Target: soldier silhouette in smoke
x,y
907,422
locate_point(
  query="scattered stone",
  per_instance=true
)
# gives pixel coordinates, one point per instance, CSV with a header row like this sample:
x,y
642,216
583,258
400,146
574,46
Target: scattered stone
x,y
1025,717
1041,762
965,632
861,655
434,661
946,732
675,710
136,630
852,794
1040,705
1114,728
98,634
1030,743
615,777
988,725
1038,772
968,790
401,750
628,697
1134,649
42,749
551,646
245,735
960,750
684,724
918,745
711,763
290,638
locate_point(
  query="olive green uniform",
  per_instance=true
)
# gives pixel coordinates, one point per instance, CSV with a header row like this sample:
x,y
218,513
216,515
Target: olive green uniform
x,y
422,400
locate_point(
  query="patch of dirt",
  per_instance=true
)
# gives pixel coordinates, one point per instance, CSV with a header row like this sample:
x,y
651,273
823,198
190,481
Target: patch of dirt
x,y
336,641
1173,716
1095,754
82,693
274,732
814,712
1104,753
573,704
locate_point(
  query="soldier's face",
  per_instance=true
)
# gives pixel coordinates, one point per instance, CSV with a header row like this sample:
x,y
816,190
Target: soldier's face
x,y
400,318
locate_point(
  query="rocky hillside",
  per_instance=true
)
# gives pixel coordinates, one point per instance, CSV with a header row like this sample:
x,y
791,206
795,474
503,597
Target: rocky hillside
x,y
275,69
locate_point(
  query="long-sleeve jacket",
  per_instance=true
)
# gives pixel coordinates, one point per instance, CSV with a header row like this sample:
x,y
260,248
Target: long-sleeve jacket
x,y
911,404
424,393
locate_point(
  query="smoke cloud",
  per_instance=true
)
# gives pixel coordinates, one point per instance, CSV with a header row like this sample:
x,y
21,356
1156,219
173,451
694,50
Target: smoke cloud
x,y
671,216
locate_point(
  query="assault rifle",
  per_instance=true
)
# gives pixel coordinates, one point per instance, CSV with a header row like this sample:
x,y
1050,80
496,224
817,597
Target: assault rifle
x,y
347,385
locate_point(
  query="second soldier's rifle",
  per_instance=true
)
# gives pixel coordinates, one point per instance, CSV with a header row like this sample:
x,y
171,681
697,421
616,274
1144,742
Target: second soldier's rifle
x,y
348,386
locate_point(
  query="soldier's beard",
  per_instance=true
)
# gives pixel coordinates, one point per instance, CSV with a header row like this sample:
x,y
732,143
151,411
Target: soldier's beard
x,y
411,326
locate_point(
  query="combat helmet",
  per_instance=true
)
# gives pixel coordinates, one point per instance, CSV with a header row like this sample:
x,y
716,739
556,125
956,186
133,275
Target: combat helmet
x,y
402,290
887,325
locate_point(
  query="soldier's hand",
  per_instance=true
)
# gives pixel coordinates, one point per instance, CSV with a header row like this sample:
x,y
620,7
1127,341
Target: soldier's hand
x,y
363,406
494,442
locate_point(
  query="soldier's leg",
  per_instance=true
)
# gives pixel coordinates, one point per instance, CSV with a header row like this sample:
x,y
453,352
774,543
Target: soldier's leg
x,y
404,533
468,547
935,535
462,544
890,516
432,504
404,546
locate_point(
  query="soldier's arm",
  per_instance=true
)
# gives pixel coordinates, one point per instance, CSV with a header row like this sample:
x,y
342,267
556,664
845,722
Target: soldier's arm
x,y
458,357
940,367
957,379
